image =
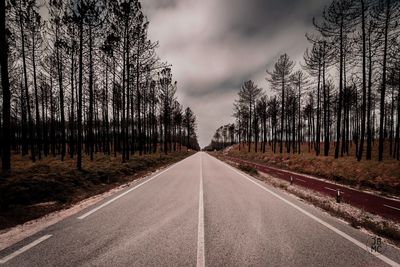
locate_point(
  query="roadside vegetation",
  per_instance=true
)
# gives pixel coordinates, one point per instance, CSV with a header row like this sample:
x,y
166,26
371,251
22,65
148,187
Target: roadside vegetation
x,y
382,176
85,79
246,168
335,113
86,104
33,189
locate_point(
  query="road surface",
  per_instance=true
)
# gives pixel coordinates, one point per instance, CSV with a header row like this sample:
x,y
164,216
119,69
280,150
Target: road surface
x,y
201,212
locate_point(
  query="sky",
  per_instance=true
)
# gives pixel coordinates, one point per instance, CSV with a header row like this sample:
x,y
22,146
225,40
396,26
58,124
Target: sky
x,y
214,46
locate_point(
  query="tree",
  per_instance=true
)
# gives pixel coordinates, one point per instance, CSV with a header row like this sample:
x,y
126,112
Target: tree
x,y
189,120
337,21
261,108
5,85
248,95
56,10
167,96
363,8
314,59
383,14
79,12
35,27
280,78
299,81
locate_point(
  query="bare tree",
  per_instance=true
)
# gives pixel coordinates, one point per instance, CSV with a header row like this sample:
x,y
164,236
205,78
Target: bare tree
x,y
279,79
5,85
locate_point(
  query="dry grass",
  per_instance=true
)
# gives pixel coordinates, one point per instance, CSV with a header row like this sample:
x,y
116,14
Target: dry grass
x,y
248,169
382,176
31,190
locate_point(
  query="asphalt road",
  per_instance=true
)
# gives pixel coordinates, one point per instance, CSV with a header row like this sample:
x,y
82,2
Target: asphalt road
x,y
200,212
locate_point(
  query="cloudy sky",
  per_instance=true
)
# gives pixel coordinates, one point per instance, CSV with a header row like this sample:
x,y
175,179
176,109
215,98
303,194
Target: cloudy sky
x,y
216,45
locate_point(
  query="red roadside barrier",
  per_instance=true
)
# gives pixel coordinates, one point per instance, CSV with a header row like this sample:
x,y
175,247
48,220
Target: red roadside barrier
x,y
375,204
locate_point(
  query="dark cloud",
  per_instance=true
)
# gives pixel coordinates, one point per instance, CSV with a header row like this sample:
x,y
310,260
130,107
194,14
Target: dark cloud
x,y
214,46
156,6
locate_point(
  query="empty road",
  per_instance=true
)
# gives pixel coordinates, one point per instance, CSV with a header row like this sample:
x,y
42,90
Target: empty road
x,y
200,212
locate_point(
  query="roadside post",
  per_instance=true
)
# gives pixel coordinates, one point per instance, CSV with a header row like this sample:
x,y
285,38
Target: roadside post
x,y
338,196
291,180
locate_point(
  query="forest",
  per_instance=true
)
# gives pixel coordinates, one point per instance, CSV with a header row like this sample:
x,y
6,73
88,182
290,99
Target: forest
x,y
342,99
81,78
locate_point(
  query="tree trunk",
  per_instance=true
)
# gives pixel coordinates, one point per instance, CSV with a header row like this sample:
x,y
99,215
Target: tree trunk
x,y
339,112
72,117
60,84
383,90
318,132
364,82
27,98
282,114
91,98
5,85
369,131
38,129
79,145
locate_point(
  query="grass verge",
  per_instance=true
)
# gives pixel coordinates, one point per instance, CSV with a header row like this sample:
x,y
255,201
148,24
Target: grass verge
x,y
248,169
32,190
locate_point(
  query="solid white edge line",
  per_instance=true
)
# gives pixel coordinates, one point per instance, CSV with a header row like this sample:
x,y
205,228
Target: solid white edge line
x,y
334,229
126,192
200,226
333,190
330,189
23,249
391,207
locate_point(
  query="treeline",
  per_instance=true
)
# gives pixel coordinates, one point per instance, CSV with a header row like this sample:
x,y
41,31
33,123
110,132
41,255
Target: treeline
x,y
81,76
344,95
223,137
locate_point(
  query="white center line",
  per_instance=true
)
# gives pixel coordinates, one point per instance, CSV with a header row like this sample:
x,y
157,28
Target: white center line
x,y
23,249
200,229
334,229
126,192
300,180
391,207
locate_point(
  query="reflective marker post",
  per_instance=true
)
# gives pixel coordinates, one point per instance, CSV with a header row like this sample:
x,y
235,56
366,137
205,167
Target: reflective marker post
x,y
338,196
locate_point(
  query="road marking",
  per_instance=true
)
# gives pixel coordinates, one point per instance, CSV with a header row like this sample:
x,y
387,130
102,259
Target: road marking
x,y
391,207
300,180
23,249
126,192
334,229
330,189
200,229
333,190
